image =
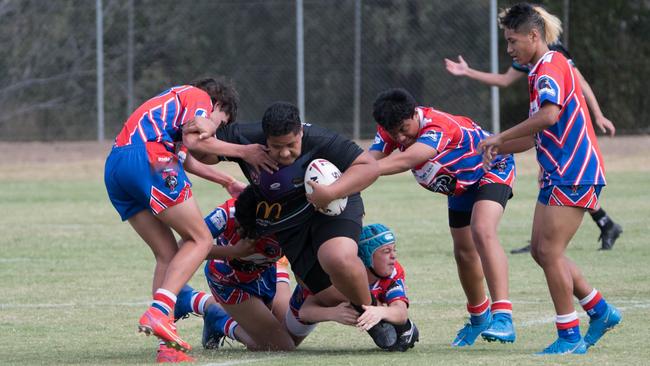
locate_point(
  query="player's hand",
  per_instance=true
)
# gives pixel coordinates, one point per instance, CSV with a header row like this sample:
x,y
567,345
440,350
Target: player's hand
x,y
459,68
243,248
371,316
258,157
490,149
605,125
205,127
235,188
345,314
321,196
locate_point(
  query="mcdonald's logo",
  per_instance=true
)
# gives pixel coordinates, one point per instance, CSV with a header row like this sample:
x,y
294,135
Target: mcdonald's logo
x,y
268,210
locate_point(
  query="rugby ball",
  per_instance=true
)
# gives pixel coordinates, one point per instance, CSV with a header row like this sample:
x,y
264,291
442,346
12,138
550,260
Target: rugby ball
x,y
323,172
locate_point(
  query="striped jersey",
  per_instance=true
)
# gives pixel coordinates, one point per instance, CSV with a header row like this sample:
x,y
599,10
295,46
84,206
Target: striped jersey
x,y
222,225
567,152
457,166
160,118
392,288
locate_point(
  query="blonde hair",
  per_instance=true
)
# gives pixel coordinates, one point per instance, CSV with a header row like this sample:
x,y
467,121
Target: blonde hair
x,y
552,25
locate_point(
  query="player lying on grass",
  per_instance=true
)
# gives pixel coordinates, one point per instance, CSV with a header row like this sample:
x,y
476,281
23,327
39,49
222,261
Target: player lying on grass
x,y
441,151
387,284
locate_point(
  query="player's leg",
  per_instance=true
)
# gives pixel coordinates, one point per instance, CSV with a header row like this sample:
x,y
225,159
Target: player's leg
x,y
262,330
338,258
553,228
487,211
282,290
470,270
470,274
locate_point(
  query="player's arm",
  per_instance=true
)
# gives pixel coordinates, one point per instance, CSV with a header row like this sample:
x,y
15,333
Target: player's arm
x,y
209,150
228,182
414,155
243,248
461,68
602,122
545,117
377,155
359,175
314,312
395,313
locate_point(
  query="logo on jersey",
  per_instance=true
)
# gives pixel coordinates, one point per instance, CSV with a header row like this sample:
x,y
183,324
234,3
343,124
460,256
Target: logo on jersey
x,y
219,218
265,210
444,184
169,175
544,86
275,186
433,136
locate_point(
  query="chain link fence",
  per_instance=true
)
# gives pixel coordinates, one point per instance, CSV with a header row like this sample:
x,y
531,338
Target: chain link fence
x,y
48,72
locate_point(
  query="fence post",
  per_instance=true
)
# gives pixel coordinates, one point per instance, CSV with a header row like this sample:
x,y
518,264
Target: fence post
x,y
100,70
300,60
494,66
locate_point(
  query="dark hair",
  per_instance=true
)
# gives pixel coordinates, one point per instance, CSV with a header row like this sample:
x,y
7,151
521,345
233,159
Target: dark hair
x,y
221,92
245,211
522,18
281,118
393,106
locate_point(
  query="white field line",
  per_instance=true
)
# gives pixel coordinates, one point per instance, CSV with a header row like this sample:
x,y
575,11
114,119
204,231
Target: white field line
x,y
241,362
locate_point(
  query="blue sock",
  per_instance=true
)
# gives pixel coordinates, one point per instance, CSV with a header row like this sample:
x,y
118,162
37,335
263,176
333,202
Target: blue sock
x,y
571,334
183,302
480,319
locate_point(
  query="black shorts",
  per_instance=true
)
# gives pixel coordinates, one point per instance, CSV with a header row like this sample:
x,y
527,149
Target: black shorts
x,y
301,244
460,213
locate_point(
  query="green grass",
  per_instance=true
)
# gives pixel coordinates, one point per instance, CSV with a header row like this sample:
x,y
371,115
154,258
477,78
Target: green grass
x,y
74,279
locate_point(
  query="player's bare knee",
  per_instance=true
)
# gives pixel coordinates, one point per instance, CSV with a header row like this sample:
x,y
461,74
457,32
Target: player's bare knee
x,y
465,256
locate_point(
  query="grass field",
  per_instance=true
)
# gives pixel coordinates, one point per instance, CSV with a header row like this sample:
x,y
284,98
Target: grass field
x,y
74,279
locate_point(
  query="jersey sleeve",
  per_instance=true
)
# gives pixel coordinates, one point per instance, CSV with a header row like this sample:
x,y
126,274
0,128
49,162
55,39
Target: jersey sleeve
x,y
549,84
195,102
221,219
338,149
383,142
436,136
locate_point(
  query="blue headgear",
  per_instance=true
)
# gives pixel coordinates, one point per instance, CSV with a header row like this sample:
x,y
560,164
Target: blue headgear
x,y
372,237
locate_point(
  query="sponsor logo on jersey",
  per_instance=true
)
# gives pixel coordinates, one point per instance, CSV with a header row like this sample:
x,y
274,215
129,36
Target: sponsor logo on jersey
x,y
275,186
266,210
431,135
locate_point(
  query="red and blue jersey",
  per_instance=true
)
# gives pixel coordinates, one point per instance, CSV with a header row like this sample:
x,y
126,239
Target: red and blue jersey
x,y
221,223
458,165
567,152
160,118
392,288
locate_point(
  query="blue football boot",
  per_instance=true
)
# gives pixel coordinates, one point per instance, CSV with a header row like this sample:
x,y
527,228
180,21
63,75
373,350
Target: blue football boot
x,y
501,329
183,307
468,334
562,347
212,334
598,327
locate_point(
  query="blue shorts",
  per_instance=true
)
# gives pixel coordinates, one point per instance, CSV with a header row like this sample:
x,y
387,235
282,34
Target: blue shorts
x,y
227,290
573,196
140,177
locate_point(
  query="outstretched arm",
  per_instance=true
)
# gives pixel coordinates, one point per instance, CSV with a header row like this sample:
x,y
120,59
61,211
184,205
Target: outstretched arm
x,y
600,120
314,312
461,68
414,155
228,182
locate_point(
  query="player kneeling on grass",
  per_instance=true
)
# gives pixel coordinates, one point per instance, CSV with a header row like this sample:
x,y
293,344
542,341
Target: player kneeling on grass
x,y
386,278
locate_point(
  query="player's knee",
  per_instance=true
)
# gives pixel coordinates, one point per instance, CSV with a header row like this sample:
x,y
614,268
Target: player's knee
x,y
465,256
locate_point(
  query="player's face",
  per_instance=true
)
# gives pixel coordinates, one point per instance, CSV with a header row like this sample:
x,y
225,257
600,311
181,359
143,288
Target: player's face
x,y
407,133
218,116
521,46
285,149
383,260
